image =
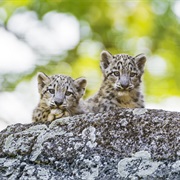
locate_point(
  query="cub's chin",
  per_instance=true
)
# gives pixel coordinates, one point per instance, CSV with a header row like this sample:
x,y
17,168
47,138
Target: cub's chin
x,y
123,93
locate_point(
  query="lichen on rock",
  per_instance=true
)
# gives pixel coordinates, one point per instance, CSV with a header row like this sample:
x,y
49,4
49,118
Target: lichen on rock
x,y
140,165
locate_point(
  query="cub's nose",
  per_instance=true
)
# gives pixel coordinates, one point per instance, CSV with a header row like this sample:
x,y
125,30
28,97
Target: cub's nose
x,y
124,85
124,82
58,102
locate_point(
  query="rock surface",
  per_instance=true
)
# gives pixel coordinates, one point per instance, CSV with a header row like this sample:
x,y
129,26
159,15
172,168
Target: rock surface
x,y
125,144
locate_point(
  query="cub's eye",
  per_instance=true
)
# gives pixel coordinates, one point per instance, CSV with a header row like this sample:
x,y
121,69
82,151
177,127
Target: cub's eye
x,y
116,73
68,93
52,91
133,74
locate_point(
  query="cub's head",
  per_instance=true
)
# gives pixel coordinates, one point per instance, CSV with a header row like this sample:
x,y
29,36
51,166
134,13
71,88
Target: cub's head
x,y
60,91
122,70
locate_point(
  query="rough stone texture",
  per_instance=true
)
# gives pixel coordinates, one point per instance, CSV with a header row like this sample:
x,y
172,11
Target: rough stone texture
x,y
125,144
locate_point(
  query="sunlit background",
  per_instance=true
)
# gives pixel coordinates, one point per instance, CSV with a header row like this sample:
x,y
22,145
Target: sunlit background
x,y
67,36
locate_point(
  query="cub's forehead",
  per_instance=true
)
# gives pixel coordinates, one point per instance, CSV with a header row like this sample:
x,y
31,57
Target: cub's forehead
x,y
61,79
124,58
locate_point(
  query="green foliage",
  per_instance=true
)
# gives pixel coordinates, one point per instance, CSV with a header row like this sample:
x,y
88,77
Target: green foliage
x,y
133,27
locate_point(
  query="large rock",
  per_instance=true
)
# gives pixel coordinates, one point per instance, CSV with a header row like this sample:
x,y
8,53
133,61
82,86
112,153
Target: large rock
x,y
125,144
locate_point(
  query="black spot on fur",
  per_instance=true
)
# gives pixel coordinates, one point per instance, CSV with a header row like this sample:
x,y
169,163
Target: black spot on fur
x,y
138,94
136,100
112,95
119,101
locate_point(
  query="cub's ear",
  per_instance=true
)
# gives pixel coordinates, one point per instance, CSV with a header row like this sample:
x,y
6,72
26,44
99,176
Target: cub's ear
x,y
81,85
42,80
106,58
140,60
81,82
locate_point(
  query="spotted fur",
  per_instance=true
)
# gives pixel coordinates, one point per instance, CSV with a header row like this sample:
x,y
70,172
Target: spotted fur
x,y
60,96
121,84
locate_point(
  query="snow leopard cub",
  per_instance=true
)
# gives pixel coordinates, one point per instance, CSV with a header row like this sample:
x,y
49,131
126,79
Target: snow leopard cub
x,y
60,96
121,84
